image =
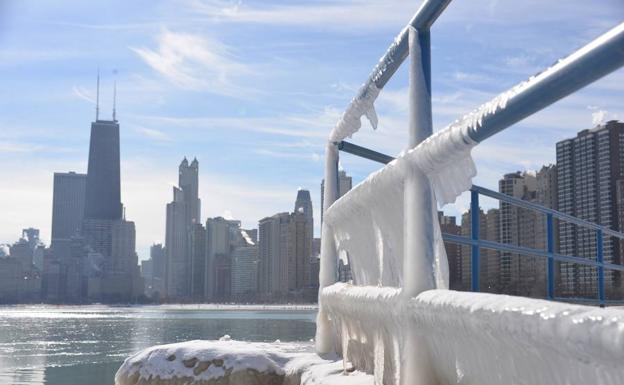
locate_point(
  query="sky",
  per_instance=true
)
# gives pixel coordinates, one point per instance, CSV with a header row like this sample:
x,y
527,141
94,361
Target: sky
x,y
253,88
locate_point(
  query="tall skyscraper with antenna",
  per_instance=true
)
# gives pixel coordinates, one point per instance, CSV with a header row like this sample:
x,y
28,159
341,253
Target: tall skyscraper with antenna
x,y
103,194
110,238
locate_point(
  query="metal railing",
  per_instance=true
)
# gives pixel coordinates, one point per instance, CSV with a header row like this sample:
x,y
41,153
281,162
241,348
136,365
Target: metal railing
x,y
591,62
476,243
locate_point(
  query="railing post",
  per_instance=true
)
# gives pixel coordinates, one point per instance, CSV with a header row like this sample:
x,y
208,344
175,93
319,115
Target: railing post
x,y
600,260
550,247
418,256
474,235
418,217
329,258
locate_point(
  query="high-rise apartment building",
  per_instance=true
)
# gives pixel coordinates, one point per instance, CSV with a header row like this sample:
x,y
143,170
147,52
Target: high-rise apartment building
x,y
245,269
518,273
63,267
285,255
524,274
68,202
273,255
198,262
223,235
590,177
463,270
183,213
155,288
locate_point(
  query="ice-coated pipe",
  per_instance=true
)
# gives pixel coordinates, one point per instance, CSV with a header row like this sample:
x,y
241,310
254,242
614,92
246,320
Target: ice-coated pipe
x,y
418,256
385,68
588,64
329,258
418,235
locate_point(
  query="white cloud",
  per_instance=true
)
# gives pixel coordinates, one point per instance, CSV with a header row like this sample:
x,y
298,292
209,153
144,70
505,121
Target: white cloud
x,y
599,117
153,134
83,94
198,63
9,146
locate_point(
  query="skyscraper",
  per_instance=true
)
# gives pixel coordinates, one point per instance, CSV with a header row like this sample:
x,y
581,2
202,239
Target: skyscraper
x,y
303,203
182,214
273,238
111,240
590,177
103,193
518,273
198,262
245,269
159,267
68,202
285,254
223,235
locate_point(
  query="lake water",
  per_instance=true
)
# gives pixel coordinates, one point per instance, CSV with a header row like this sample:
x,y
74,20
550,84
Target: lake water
x,y
85,345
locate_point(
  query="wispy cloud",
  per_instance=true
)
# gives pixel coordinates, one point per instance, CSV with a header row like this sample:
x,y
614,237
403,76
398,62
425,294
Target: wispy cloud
x,y
153,134
83,94
314,157
197,63
312,125
13,147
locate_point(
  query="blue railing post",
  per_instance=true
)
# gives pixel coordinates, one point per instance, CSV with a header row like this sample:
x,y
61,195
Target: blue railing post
x,y
600,260
474,234
550,277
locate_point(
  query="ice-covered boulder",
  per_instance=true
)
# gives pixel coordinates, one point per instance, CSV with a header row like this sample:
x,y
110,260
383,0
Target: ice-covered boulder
x,y
228,362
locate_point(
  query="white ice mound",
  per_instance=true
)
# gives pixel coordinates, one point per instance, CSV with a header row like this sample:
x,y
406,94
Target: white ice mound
x,y
478,338
236,363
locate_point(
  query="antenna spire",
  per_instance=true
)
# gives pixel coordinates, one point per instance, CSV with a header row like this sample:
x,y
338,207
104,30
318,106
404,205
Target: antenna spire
x,y
115,101
97,97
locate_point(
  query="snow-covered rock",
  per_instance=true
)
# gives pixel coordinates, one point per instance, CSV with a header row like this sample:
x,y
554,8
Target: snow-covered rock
x,y
229,362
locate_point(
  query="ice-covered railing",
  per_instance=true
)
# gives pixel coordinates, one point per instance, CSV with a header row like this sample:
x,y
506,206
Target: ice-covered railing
x,y
386,226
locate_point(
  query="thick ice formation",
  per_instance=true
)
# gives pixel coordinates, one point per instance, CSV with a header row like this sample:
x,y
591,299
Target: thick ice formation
x,y
362,104
477,338
235,362
367,222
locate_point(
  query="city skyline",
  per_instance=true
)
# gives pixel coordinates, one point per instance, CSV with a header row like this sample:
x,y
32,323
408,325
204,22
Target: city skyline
x,y
166,113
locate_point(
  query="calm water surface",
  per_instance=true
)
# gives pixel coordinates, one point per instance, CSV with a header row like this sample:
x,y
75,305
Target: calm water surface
x,y
85,345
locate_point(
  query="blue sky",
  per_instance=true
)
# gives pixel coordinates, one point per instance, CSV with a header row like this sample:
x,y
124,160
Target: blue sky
x,y
252,89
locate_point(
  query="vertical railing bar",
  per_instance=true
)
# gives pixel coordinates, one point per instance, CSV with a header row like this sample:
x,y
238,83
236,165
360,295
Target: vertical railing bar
x,y
550,277
474,234
600,260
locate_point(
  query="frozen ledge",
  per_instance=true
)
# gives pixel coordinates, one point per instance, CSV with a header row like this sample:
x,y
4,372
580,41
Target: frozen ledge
x,y
227,362
479,338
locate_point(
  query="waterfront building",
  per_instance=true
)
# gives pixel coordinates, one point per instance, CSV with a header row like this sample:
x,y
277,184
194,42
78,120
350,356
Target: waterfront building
x,y
285,255
590,179
183,213
222,235
113,273
245,269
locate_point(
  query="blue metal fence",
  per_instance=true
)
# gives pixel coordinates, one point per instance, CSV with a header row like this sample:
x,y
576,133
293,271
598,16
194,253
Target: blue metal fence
x,y
476,243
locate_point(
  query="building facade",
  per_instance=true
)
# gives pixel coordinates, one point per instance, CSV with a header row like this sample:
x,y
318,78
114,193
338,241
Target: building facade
x,y
183,213
590,174
113,270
